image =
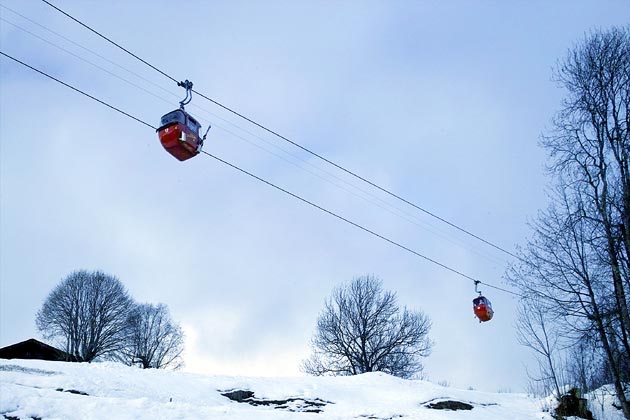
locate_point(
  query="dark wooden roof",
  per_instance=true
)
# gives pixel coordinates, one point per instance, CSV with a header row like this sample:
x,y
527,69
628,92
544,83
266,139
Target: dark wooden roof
x,y
34,349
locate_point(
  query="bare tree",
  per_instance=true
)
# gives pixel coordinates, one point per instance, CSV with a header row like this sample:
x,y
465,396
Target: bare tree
x,y
586,366
362,329
577,262
540,334
591,149
562,271
88,311
153,339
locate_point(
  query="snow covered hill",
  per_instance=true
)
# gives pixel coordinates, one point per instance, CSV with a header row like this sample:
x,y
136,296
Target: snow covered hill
x,y
34,389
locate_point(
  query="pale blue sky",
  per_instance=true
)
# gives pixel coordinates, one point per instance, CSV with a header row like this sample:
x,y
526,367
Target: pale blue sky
x,y
441,102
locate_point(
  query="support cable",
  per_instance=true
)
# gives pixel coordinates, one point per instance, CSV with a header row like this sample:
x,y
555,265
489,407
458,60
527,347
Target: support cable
x,y
109,40
85,60
312,204
305,149
404,216
78,90
83,47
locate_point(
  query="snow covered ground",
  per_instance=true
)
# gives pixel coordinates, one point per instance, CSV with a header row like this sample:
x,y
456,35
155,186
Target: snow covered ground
x,y
55,390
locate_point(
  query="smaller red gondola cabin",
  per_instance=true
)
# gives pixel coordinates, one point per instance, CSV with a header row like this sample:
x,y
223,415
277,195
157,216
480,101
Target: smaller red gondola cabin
x,y
179,134
483,309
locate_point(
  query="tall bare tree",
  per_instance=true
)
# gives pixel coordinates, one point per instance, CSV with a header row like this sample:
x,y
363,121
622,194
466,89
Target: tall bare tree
x,y
577,261
540,334
87,311
362,329
153,339
591,148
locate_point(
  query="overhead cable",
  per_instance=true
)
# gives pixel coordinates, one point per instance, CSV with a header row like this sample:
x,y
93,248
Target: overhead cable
x,y
305,149
109,40
84,60
404,216
78,90
312,204
83,47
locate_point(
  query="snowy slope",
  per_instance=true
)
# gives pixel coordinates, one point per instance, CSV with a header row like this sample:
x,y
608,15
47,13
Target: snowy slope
x,y
39,389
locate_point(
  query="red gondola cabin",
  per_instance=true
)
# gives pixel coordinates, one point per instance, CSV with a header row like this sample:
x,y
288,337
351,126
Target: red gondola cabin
x,y
483,309
179,134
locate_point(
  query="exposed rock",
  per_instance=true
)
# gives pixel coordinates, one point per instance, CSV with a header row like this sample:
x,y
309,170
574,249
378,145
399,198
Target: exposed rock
x,y
238,395
293,404
449,405
571,404
72,391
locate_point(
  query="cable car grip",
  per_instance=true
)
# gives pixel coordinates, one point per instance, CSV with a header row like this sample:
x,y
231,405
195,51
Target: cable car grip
x,y
188,85
476,283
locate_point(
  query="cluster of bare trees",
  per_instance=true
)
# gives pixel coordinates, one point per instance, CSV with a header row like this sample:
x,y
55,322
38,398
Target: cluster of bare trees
x,y
362,329
153,340
575,271
92,316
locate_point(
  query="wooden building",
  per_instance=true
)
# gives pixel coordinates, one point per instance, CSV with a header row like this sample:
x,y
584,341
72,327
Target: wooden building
x,y
34,349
